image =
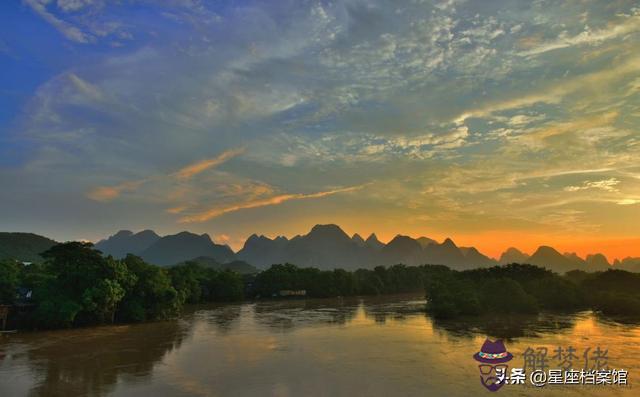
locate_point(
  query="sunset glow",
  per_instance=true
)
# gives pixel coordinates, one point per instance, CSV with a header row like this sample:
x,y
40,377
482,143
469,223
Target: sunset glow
x,y
497,124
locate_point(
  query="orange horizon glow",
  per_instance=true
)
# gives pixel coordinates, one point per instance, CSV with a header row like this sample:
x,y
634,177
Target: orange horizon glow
x,y
493,244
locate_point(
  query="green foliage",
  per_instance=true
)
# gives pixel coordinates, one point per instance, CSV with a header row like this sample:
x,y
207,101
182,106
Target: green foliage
x,y
56,312
76,285
150,295
556,293
187,281
448,296
9,279
505,295
222,285
613,292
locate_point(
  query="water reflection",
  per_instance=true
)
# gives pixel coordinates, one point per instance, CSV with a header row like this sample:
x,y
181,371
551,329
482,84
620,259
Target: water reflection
x,y
381,309
370,346
224,317
506,326
290,314
90,361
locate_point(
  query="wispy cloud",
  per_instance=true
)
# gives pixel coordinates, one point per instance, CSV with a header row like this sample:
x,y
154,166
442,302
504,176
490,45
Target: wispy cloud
x,y
628,201
109,193
69,31
217,211
555,93
587,37
196,168
608,185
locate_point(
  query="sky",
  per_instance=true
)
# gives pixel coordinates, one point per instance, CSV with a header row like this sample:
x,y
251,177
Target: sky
x,y
495,123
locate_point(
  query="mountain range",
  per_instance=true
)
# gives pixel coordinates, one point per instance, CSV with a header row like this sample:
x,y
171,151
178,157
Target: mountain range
x,y
324,247
165,251
25,247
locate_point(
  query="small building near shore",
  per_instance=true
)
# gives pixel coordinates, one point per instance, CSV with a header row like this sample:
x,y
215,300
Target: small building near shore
x,y
289,292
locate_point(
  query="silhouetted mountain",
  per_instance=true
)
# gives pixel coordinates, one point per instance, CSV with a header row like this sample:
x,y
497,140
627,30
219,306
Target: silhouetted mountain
x,y
262,251
326,247
24,247
126,242
446,253
183,246
402,249
513,255
551,259
597,262
241,267
628,263
578,262
358,240
475,259
373,242
425,241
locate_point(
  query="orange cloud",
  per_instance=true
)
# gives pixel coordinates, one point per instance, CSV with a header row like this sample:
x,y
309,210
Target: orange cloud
x,y
176,210
109,193
216,212
196,168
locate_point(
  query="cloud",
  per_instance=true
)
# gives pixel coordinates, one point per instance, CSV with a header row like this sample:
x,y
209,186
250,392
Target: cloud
x,y
217,211
608,185
554,93
110,193
587,37
69,31
331,94
85,87
628,201
194,169
74,5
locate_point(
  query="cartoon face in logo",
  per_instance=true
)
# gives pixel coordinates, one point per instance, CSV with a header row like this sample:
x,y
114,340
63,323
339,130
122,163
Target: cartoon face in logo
x,y
492,358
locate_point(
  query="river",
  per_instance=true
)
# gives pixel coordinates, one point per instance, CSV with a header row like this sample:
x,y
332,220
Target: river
x,y
384,346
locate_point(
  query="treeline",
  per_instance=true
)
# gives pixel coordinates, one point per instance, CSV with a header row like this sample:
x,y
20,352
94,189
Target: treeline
x,y
77,286
519,288
339,282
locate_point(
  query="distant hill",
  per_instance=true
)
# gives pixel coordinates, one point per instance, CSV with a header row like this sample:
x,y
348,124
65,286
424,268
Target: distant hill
x,y
328,247
475,258
513,255
237,266
25,247
630,264
172,249
262,251
553,260
373,242
126,242
578,262
425,241
358,240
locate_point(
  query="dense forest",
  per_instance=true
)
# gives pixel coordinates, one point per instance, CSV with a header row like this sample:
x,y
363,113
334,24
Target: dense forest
x,y
76,285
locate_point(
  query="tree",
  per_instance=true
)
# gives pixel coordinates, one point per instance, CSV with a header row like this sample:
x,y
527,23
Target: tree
x,y
151,295
9,279
83,287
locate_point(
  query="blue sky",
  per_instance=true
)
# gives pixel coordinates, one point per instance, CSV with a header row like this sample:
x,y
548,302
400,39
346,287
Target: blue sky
x,y
475,120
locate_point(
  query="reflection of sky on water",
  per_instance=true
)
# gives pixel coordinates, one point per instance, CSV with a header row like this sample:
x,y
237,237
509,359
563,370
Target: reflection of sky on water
x,y
373,346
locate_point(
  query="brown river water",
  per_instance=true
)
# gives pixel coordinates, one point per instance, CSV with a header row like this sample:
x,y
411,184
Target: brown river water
x,y
358,347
